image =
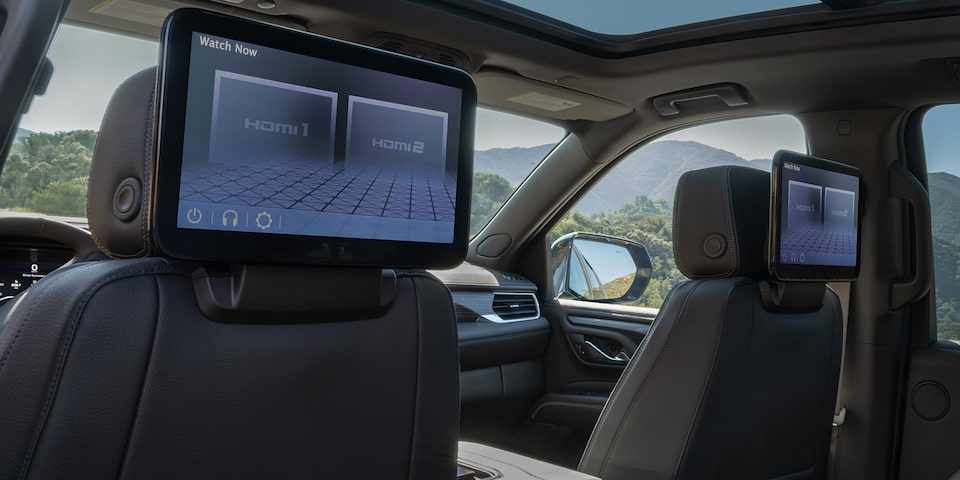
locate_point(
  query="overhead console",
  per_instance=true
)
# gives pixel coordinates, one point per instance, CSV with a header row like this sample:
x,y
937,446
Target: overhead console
x,y
278,146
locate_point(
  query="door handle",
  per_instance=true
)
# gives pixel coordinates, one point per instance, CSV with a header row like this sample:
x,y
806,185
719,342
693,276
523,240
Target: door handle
x,y
621,357
588,351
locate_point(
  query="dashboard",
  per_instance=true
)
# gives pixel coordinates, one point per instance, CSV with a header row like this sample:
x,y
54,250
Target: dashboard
x,y
22,266
32,246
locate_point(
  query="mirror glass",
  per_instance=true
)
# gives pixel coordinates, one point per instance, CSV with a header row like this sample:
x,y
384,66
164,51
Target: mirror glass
x,y
600,270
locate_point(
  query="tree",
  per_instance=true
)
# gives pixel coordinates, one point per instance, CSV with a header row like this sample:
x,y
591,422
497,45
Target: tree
x,y
644,221
489,192
62,197
47,170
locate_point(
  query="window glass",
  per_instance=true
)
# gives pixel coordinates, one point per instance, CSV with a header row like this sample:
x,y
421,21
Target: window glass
x,y
48,165
625,17
941,144
49,162
508,148
634,200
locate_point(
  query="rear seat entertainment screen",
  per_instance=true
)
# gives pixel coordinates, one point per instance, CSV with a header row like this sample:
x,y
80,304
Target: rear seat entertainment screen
x,y
300,148
815,218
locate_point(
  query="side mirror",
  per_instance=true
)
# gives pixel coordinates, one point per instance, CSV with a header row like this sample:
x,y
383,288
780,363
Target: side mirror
x,y
599,268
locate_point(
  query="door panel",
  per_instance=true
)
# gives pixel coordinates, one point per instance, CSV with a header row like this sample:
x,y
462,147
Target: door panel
x,y
502,339
486,344
931,423
578,380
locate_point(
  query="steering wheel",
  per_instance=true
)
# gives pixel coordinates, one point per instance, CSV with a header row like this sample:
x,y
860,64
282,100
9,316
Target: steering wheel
x,y
34,230
28,227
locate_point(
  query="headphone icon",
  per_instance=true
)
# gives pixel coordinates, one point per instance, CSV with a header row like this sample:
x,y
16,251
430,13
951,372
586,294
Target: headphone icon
x,y
227,218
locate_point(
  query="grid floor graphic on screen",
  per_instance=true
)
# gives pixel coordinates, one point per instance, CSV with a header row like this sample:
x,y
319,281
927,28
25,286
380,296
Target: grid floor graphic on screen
x,y
816,240
371,191
821,224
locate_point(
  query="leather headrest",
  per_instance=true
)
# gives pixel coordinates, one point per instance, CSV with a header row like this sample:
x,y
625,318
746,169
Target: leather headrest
x,y
720,222
121,170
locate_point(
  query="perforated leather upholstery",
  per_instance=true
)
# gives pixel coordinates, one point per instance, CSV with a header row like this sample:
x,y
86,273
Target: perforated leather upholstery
x,y
109,369
724,386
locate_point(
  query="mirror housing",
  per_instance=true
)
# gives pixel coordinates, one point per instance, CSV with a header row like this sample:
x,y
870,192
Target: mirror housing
x,y
599,268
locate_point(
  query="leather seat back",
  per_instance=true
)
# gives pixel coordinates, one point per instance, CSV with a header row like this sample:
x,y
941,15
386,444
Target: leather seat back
x,y
737,376
111,369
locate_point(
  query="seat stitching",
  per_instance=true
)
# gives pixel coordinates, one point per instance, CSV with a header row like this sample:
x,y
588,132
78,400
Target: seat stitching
x,y
653,369
730,223
61,359
33,303
418,404
706,380
23,322
147,158
143,385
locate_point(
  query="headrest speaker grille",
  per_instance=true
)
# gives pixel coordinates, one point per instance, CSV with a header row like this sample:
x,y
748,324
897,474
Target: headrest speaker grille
x,y
126,199
714,245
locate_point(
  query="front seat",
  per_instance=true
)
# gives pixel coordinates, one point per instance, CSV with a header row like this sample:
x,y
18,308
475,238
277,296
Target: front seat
x,y
109,369
736,378
738,374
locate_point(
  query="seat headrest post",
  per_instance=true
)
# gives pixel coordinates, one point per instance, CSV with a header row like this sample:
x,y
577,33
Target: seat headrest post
x,y
792,297
236,294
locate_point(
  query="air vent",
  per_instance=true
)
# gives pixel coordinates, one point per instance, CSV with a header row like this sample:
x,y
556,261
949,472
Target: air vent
x,y
420,49
513,307
512,276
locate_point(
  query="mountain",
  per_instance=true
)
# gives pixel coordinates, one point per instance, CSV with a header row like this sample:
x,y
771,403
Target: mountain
x,y
513,164
762,163
21,133
944,205
651,171
944,190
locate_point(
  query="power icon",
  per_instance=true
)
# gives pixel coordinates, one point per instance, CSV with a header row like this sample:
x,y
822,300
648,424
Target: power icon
x,y
194,215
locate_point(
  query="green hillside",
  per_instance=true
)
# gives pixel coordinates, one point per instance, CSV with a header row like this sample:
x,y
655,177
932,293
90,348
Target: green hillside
x,y
653,171
945,205
47,172
945,217
513,164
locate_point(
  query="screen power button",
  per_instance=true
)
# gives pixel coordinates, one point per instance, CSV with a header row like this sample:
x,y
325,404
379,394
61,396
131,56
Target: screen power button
x,y
194,215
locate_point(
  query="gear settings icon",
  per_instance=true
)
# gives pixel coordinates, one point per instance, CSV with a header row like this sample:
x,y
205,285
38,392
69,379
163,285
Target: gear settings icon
x,y
264,220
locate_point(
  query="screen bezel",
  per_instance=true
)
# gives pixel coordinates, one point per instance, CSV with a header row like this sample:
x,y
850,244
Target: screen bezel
x,y
795,272
230,246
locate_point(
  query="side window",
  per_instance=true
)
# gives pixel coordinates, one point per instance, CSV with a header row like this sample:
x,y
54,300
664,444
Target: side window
x,y
49,162
634,201
508,148
940,146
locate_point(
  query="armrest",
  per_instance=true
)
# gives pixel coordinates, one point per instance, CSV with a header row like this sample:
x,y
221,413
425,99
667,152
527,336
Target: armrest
x,y
511,466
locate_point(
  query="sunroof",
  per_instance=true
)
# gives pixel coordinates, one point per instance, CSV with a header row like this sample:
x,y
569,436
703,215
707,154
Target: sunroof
x,y
628,17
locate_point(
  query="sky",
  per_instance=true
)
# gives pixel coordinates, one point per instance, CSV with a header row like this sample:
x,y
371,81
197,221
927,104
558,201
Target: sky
x,y
623,17
88,66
